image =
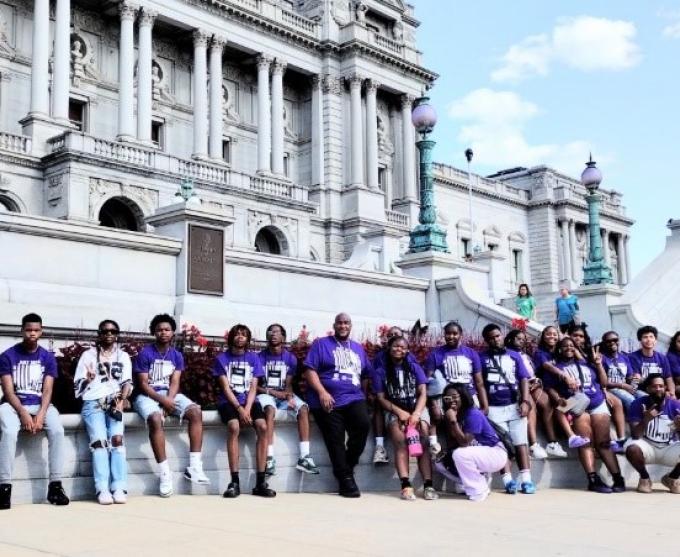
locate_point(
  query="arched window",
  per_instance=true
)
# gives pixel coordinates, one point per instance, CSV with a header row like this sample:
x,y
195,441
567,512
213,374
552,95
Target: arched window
x,y
267,242
122,213
8,205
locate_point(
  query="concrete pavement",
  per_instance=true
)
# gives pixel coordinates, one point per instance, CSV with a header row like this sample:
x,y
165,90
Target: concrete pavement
x,y
552,522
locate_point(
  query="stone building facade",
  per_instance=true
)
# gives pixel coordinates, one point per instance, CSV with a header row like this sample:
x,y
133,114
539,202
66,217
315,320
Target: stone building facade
x,y
290,119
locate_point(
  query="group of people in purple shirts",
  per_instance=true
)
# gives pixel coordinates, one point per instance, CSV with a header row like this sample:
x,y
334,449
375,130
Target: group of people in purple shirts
x,y
472,412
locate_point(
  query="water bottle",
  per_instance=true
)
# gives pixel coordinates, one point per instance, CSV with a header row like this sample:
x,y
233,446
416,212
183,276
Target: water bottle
x,y
415,449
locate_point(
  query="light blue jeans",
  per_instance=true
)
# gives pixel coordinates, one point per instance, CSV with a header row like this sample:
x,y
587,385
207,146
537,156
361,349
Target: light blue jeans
x,y
108,462
626,398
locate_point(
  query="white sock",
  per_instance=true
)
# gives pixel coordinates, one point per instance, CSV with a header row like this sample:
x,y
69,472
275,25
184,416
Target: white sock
x,y
304,449
195,460
164,468
379,441
525,475
507,477
270,451
433,439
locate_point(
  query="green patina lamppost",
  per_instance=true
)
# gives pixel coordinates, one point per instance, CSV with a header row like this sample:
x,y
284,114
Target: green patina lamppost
x,y
428,235
596,270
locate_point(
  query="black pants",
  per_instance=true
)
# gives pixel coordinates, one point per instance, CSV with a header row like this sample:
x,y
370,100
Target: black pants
x,y
352,420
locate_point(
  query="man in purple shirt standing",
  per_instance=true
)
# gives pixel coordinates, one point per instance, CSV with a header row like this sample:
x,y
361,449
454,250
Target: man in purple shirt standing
x,y
654,423
27,373
334,368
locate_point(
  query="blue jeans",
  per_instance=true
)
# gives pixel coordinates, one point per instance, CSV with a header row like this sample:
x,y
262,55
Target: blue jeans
x,y
109,466
626,398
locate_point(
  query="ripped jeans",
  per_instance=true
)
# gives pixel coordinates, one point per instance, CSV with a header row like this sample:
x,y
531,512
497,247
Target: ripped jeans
x,y
109,466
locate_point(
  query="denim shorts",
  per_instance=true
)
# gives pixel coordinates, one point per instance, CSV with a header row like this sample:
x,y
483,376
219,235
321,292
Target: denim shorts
x,y
145,406
268,400
391,418
600,409
509,419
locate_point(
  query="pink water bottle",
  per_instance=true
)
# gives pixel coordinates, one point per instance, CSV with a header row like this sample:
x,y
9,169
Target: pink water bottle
x,y
415,449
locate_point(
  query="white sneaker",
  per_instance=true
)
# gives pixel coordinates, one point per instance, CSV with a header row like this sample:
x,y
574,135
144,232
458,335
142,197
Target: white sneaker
x,y
556,450
435,449
380,455
196,475
119,497
165,485
537,452
105,498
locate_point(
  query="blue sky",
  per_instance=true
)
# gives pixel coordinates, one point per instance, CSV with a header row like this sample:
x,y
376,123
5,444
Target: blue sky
x,y
531,82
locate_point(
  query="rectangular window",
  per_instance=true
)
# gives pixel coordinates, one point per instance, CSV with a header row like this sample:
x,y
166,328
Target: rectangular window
x,y
382,179
286,165
465,247
77,114
517,266
226,150
157,134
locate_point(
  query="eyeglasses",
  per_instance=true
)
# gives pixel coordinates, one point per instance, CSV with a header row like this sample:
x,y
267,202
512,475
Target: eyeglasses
x,y
447,399
612,340
108,331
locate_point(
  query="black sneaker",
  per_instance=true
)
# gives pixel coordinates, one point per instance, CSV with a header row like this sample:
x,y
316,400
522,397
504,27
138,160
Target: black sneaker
x,y
349,488
5,496
263,490
56,494
233,491
598,486
619,485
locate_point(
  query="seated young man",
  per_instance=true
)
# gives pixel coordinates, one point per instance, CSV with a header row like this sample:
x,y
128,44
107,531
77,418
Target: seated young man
x,y
654,420
647,360
157,370
276,392
27,373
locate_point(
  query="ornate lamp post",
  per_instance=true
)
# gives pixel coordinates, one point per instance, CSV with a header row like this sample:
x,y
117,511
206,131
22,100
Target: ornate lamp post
x,y
596,270
427,235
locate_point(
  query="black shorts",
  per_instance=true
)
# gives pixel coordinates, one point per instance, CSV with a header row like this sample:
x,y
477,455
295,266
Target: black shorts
x,y
228,412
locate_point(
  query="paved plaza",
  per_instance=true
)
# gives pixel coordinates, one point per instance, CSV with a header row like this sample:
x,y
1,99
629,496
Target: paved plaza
x,y
553,522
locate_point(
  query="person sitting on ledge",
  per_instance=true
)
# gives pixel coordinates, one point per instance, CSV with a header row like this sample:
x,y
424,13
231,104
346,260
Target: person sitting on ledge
x,y
276,392
616,364
157,370
27,373
237,371
334,368
103,379
400,386
654,423
673,356
646,360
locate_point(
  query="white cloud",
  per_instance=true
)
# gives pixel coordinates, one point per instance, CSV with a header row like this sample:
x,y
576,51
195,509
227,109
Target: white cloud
x,y
493,124
584,43
672,29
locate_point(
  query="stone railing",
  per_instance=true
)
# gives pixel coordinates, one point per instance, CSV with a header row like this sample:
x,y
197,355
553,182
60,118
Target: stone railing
x,y
155,161
274,12
15,143
479,183
299,22
397,218
387,43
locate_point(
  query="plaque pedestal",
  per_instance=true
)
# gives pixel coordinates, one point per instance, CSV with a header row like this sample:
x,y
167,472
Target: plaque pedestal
x,y
200,263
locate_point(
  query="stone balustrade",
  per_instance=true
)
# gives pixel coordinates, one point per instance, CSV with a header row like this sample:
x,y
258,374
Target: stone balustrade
x,y
397,218
15,143
276,13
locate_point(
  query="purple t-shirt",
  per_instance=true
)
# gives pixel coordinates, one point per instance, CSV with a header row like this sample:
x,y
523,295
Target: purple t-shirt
x,y
476,424
340,366
457,365
404,391
659,430
381,357
241,370
160,367
644,365
276,368
674,364
28,369
617,367
502,374
542,356
584,375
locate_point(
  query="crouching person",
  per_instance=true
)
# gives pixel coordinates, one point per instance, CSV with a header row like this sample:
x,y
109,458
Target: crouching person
x,y
103,380
157,371
654,420
27,373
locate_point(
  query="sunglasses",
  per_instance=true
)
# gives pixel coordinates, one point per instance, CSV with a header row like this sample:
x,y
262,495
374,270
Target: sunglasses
x,y
612,340
108,331
448,399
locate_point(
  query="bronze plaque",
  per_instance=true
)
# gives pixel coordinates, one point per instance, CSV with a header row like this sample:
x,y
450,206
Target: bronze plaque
x,y
206,260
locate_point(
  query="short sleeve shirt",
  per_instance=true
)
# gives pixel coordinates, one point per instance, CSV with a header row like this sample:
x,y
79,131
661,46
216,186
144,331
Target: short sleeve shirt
x,y
644,365
502,373
340,366
457,365
160,367
276,368
584,375
566,308
617,367
28,371
659,430
402,388
674,363
241,370
477,424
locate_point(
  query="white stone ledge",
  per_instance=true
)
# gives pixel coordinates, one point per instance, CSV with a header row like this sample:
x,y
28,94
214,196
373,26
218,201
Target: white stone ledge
x,y
88,233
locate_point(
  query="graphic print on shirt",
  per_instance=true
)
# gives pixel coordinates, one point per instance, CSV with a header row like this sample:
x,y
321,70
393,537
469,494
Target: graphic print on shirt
x,y
573,371
159,374
498,380
28,377
659,429
276,371
240,375
458,369
110,370
347,366
617,371
406,390
650,367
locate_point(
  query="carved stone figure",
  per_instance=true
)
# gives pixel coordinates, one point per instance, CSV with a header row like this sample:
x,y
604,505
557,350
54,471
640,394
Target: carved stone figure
x,y
360,10
82,60
159,85
384,143
228,110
